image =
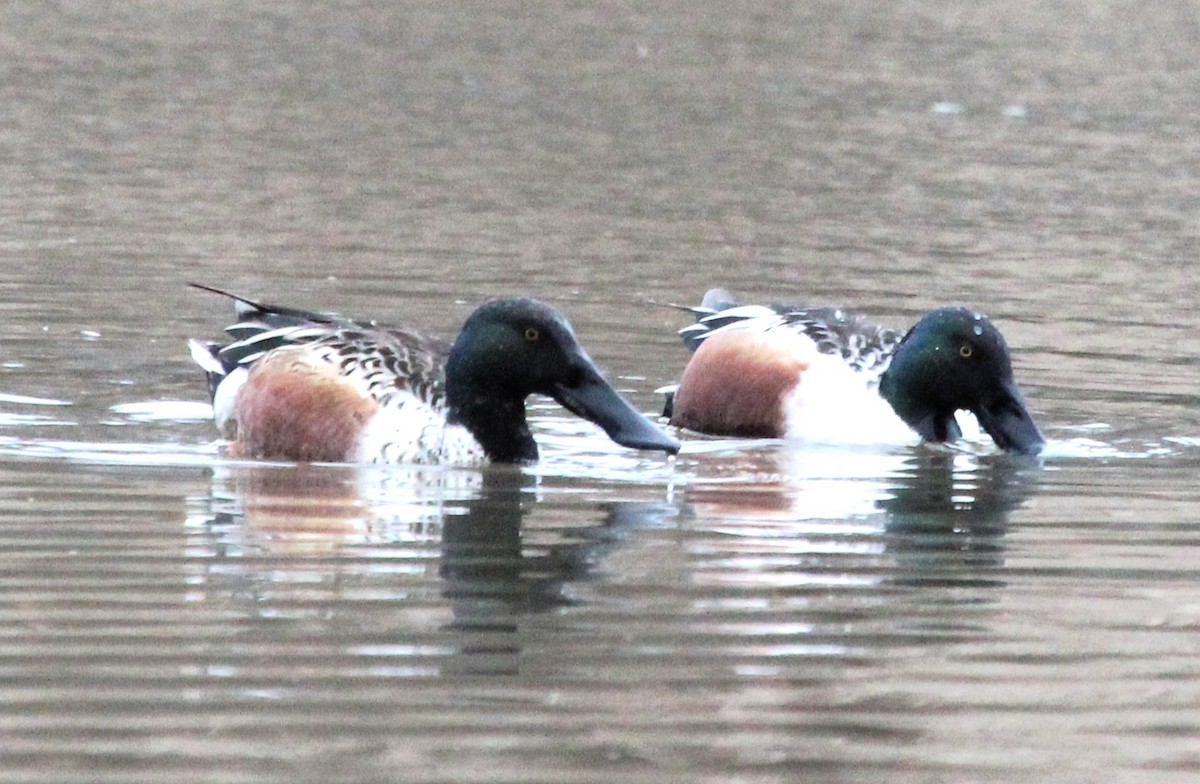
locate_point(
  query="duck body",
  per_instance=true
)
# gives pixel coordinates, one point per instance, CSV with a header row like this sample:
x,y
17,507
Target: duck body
x,y
305,386
829,376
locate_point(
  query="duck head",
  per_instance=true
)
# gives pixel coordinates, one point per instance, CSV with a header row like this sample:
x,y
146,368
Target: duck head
x,y
953,359
513,347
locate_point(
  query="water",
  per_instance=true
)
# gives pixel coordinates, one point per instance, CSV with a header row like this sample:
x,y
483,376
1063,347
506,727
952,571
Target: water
x,y
750,612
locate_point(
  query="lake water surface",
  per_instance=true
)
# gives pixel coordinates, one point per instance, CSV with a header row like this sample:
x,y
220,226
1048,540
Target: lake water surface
x,y
747,612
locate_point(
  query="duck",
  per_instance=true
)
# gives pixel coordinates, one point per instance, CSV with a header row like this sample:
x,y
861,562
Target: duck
x,y
825,374
301,386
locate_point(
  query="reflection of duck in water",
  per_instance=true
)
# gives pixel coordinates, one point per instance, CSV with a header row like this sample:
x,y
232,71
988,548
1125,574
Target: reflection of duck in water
x,y
829,515
296,385
825,376
948,514
449,560
485,562
947,491
302,509
495,580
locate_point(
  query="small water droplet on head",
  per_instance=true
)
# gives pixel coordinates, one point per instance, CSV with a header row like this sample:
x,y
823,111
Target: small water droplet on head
x,y
978,330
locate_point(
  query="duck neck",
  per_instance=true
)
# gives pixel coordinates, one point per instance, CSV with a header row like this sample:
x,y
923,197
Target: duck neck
x,y
894,389
902,387
494,418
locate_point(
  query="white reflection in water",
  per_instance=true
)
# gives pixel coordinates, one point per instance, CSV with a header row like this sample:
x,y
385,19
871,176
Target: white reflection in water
x,y
164,411
843,519
24,419
25,400
313,508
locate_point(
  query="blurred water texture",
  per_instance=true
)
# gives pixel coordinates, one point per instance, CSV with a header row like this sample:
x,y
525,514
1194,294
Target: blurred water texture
x,y
751,612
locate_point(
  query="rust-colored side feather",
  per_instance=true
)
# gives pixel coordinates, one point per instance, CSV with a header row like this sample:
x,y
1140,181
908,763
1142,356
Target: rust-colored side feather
x,y
735,385
294,408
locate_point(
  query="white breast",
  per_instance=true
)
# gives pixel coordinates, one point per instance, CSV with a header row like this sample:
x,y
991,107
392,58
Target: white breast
x,y
833,404
408,430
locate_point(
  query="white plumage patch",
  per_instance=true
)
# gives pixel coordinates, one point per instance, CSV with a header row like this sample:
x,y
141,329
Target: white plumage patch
x,y
204,358
834,404
225,402
409,430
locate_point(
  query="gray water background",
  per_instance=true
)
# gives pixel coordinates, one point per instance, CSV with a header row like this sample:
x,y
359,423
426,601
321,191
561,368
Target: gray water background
x,y
750,613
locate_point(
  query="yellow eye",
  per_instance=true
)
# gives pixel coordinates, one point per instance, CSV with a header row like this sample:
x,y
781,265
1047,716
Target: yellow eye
x,y
532,334
966,350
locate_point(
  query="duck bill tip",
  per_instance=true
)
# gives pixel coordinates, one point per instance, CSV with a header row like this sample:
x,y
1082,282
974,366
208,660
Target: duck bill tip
x,y
1010,425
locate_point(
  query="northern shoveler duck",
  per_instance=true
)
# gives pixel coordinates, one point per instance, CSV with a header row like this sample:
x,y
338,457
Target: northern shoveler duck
x,y
304,386
823,374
